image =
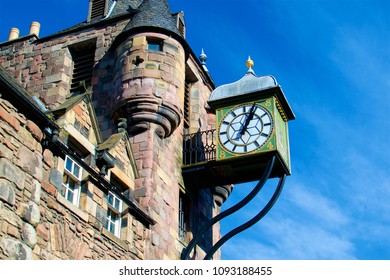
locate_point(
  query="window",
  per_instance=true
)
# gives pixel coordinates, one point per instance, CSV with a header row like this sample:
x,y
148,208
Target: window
x,y
185,207
155,44
113,214
71,181
187,105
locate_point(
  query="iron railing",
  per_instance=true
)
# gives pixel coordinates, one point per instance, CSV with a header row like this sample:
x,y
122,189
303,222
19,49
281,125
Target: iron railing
x,y
199,147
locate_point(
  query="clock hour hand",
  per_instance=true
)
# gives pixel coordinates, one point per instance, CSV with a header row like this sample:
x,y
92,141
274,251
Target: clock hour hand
x,y
248,119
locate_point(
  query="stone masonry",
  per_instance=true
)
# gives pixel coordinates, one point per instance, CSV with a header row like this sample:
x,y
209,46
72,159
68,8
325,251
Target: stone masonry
x,y
144,89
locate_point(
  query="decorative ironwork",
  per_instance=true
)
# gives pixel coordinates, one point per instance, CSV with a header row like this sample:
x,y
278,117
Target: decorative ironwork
x,y
199,147
186,252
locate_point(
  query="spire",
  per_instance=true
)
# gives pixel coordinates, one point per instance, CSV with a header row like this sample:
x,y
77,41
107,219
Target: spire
x,y
203,58
153,14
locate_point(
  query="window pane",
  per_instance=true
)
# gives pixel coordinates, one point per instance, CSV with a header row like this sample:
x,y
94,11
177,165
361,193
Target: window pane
x,y
154,47
70,196
106,224
76,171
69,164
110,198
72,184
116,206
112,228
65,179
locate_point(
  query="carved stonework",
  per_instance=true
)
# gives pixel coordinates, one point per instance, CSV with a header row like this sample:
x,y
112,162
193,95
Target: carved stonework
x,y
221,193
149,84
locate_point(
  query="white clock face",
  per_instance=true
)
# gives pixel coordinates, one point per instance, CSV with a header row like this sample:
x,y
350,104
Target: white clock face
x,y
245,128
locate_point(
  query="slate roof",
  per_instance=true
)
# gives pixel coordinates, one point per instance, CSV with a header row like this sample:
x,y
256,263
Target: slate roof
x,y
125,6
142,13
155,14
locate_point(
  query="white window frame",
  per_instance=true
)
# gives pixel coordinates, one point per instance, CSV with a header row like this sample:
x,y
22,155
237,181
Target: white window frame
x,y
113,219
74,174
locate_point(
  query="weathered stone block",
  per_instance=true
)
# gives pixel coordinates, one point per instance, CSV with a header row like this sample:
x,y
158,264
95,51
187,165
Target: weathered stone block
x,y
16,250
13,231
30,162
30,213
35,131
9,118
10,217
49,188
5,152
29,235
7,193
43,232
36,192
56,179
101,214
12,173
137,41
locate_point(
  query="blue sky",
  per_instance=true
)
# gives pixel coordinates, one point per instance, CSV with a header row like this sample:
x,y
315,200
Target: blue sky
x,y
332,59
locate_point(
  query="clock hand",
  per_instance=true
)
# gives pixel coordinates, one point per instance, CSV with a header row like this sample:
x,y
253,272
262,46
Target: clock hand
x,y
248,119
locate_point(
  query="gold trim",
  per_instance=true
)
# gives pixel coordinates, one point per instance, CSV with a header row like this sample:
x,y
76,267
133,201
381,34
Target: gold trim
x,y
280,109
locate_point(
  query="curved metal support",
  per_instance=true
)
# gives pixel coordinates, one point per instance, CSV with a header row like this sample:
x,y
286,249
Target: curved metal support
x,y
251,222
186,252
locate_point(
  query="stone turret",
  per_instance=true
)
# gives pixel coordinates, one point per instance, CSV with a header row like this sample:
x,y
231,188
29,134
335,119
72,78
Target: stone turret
x,y
150,70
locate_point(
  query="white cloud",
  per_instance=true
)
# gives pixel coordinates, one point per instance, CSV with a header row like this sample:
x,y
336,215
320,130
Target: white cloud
x,y
289,239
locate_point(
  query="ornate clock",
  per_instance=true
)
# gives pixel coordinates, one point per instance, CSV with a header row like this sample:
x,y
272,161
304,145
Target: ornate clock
x,y
251,125
245,128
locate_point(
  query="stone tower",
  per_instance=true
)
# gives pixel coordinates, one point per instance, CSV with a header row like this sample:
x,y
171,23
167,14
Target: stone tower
x,y
118,91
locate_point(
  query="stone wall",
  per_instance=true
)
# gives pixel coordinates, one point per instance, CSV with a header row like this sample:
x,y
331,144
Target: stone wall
x,y
38,223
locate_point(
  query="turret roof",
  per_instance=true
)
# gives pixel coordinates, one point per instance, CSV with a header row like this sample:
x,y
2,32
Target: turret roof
x,y
155,14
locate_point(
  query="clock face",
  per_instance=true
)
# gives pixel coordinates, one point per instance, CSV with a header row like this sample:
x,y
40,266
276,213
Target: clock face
x,y
245,128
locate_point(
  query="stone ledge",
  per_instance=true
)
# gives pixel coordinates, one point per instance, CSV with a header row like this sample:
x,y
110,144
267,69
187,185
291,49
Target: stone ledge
x,y
73,208
114,238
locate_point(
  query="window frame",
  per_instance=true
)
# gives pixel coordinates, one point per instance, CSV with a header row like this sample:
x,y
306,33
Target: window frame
x,y
185,215
71,177
113,217
157,42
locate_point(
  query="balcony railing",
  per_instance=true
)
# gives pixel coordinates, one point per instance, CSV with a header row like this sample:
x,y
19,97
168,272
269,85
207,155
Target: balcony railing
x,y
199,147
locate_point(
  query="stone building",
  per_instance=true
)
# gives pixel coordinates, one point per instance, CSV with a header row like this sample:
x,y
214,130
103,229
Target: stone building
x,y
92,121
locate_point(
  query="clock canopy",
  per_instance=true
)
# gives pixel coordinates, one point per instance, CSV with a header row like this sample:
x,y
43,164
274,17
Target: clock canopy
x,y
248,88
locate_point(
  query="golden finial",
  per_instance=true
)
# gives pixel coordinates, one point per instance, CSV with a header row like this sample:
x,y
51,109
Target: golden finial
x,y
249,62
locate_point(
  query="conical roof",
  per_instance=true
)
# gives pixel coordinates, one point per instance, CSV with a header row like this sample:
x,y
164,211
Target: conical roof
x,y
153,14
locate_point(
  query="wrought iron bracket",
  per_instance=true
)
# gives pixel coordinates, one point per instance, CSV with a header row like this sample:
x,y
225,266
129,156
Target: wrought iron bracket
x,y
187,251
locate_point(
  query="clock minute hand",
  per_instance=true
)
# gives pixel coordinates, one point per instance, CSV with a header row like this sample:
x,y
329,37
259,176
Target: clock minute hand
x,y
248,119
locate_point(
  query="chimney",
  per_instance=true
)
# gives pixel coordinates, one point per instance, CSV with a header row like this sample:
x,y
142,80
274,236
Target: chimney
x,y
35,28
13,34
